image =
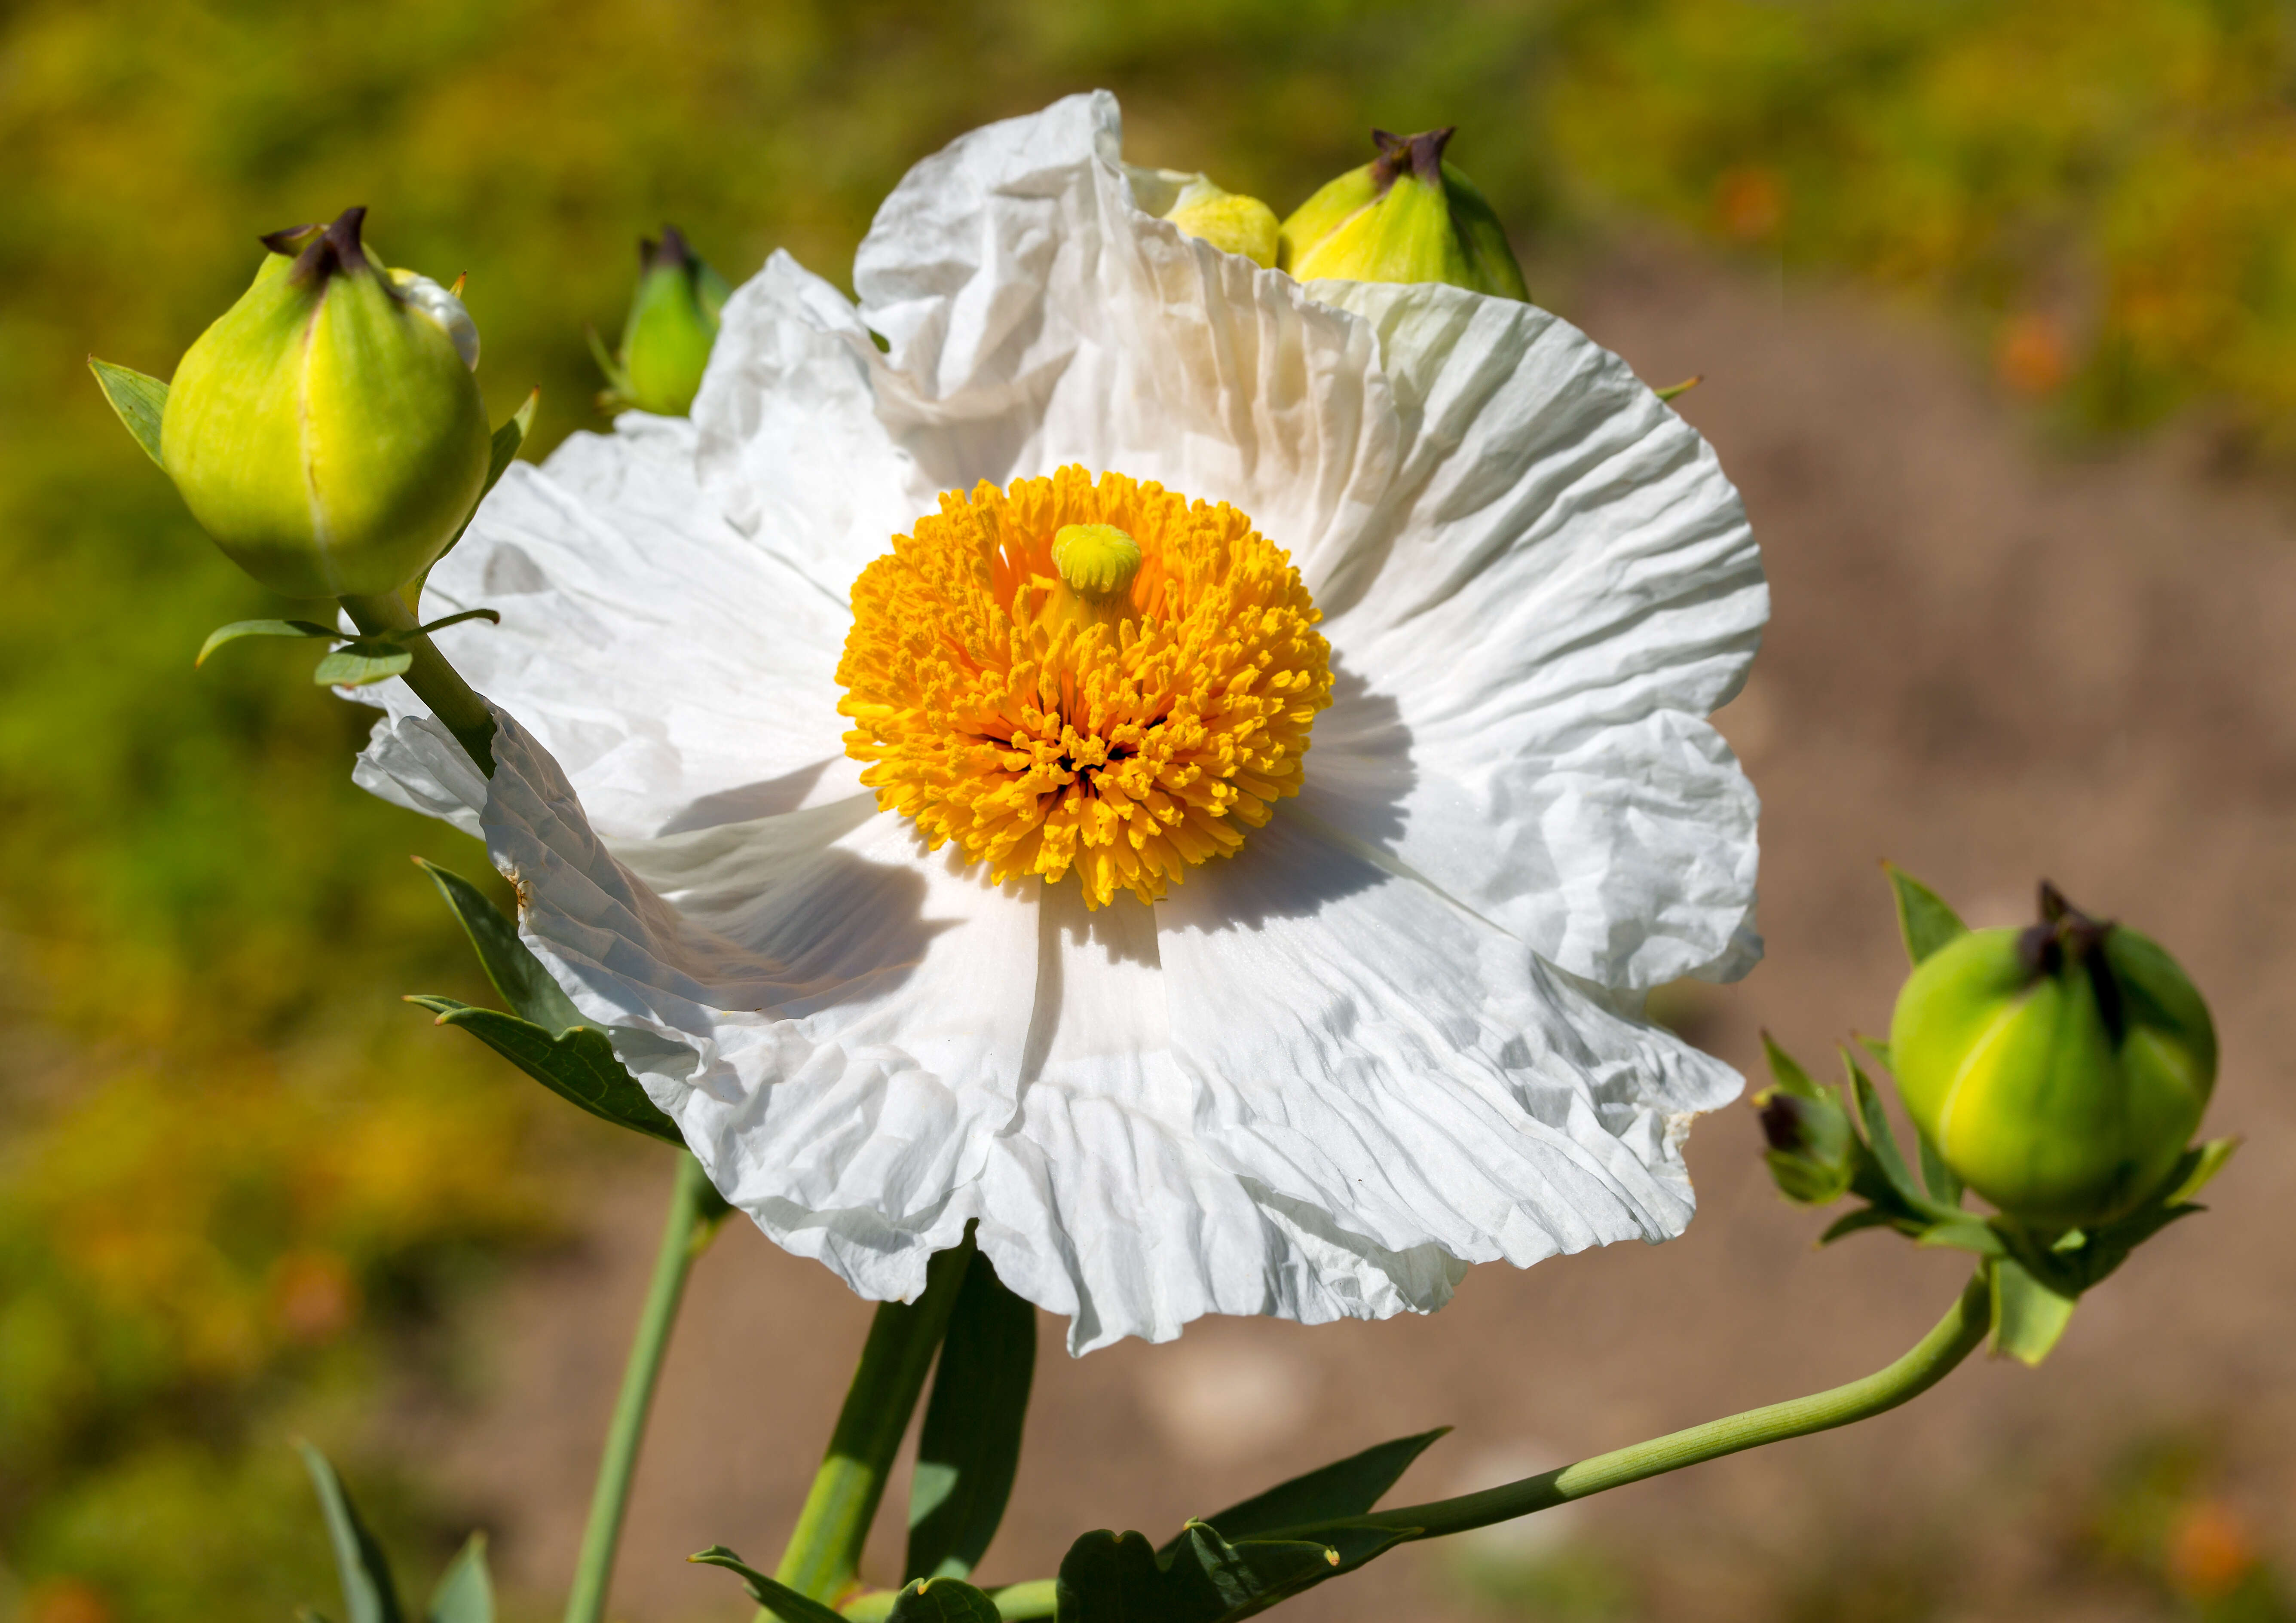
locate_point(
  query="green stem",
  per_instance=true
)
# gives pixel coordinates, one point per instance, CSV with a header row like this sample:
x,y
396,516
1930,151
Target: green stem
x,y
1931,1359
693,1205
436,683
825,1551
1956,1336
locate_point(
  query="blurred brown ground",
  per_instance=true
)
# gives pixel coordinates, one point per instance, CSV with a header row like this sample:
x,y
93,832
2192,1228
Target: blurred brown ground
x,y
1988,662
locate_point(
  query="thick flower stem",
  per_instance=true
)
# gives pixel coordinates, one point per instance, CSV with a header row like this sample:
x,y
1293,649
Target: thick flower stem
x,y
439,685
825,1551
693,1206
1932,1358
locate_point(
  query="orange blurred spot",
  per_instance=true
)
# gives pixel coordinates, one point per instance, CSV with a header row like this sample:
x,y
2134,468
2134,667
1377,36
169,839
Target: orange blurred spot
x,y
2210,1551
1750,201
66,1599
313,1296
2031,356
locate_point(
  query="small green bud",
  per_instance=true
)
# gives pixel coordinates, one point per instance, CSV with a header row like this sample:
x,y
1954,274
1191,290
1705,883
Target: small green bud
x,y
326,429
2061,1069
1229,221
672,324
1406,216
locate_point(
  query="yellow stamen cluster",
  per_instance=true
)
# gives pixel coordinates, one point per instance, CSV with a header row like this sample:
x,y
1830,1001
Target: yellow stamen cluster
x,y
1012,692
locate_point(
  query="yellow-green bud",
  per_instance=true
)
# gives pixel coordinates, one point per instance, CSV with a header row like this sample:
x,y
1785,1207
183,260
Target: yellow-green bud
x,y
2059,1070
1229,221
1406,216
326,429
673,323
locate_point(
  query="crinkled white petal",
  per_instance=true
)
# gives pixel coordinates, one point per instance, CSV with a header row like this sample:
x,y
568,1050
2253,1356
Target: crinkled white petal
x,y
1323,1075
1302,1086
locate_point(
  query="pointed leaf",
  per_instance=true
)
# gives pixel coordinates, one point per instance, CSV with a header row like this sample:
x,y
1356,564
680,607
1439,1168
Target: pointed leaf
x,y
243,628
1864,1216
1942,1181
617,382
1876,1050
1967,1232
2028,1317
778,1598
465,1594
1923,920
1884,1144
970,1447
359,662
2195,1172
369,1596
942,1600
1788,1071
579,1065
503,448
140,401
515,971
1345,1487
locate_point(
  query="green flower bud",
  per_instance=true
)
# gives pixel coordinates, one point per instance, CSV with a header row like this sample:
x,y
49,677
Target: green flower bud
x,y
1405,216
1229,221
326,429
673,323
2061,1069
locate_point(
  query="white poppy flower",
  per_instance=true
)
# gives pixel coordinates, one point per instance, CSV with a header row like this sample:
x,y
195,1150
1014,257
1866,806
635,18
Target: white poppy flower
x,y
1379,1020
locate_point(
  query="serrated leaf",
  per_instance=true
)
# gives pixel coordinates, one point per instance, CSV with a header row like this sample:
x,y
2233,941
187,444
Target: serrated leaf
x,y
247,628
510,965
1345,1487
358,663
1942,1181
778,1598
369,1595
970,1447
1788,1071
2028,1317
580,1064
942,1600
466,1593
140,401
1925,921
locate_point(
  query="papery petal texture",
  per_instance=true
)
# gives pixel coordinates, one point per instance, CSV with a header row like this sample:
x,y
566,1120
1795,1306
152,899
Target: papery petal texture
x,y
1388,1037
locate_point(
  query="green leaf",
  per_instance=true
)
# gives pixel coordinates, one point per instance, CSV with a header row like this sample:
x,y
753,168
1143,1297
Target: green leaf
x,y
2194,1173
1942,1181
617,382
1864,1216
970,1447
504,449
1202,1577
778,1598
1883,1144
140,402
1923,919
361,661
1331,1493
245,628
2028,1315
942,1600
465,1594
1788,1071
515,971
580,1064
369,1596
1965,1232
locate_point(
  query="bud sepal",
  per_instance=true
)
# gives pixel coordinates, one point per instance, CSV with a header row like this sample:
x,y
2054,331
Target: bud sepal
x,y
360,659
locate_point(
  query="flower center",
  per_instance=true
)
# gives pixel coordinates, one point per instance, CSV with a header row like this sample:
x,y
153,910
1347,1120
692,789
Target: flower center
x,y
1068,675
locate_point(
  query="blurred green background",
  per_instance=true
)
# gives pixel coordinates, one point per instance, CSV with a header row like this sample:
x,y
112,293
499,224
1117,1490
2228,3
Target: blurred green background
x,y
241,1187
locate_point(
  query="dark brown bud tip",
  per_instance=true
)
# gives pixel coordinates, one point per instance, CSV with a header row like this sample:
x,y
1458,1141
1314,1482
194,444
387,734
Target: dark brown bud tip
x,y
290,241
671,252
1422,154
335,251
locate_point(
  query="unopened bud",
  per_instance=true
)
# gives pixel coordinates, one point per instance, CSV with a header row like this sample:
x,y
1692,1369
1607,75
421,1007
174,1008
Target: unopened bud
x,y
2061,1069
1229,221
326,429
1405,216
673,323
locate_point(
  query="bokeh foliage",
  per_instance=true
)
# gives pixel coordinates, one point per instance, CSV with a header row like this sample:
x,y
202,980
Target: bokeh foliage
x,y
236,1178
